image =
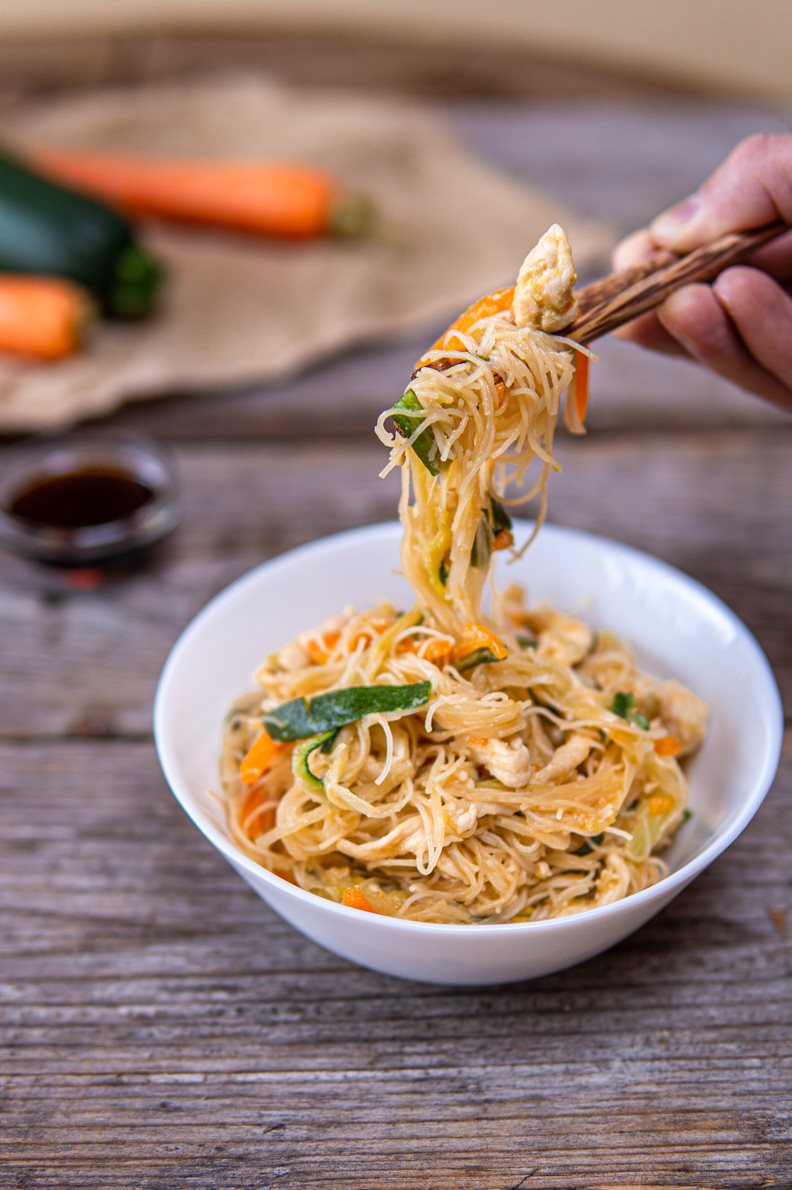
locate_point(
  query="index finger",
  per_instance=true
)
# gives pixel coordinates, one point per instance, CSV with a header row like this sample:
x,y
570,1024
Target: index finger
x,y
752,187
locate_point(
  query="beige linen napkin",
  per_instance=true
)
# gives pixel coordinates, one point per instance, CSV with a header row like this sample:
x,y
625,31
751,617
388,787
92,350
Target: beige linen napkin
x,y
239,309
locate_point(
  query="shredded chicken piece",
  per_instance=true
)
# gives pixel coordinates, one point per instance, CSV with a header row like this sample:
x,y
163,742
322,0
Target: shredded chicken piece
x,y
509,763
612,884
463,819
562,639
567,758
683,712
292,657
544,294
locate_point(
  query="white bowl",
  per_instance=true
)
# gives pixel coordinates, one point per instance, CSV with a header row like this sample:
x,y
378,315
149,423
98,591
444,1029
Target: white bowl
x,y
677,627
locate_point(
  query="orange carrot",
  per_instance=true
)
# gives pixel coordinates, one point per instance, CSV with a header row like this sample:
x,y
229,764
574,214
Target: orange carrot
x,y
42,317
255,810
260,757
660,803
353,898
432,650
669,745
266,198
503,540
496,302
582,385
320,649
476,636
289,876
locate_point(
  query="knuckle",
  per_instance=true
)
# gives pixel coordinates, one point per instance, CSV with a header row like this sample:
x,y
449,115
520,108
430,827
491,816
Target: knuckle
x,y
753,149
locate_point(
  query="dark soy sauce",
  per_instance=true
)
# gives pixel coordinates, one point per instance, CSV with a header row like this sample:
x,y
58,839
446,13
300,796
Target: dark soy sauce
x,y
80,498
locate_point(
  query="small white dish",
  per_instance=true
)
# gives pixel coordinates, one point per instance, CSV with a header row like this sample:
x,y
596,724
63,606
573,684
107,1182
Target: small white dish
x,y
677,627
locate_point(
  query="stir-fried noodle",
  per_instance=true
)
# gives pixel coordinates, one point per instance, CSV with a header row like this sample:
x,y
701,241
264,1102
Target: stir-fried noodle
x,y
519,766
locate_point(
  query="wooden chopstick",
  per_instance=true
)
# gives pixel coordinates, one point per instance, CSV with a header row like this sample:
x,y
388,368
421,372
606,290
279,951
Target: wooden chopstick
x,y
618,298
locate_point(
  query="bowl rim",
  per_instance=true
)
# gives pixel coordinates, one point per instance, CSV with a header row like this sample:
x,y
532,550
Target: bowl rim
x,y
674,882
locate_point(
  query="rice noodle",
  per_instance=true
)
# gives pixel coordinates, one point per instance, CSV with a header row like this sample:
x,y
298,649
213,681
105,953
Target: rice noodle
x,y
528,787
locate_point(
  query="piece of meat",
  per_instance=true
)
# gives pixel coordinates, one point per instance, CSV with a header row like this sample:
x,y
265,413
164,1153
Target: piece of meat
x,y
544,295
568,757
683,712
511,765
561,638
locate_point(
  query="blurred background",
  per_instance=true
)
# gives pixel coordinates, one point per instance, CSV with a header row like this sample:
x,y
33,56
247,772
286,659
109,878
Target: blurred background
x,y
467,128
513,46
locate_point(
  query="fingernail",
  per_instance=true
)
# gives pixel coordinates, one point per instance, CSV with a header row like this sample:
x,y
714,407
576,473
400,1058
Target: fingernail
x,y
676,219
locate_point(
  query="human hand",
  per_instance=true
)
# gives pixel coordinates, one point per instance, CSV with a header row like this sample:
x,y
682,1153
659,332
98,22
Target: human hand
x,y
741,325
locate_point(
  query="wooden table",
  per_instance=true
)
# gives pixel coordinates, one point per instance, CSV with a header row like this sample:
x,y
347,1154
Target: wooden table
x,y
162,1028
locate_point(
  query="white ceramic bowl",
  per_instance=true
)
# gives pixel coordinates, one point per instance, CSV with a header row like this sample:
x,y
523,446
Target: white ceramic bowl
x,y
677,628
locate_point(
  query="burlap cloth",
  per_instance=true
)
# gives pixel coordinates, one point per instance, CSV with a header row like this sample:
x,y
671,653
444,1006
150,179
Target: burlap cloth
x,y
238,309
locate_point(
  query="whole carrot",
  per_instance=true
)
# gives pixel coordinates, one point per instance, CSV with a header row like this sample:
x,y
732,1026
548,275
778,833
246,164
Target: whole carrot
x,y
43,318
279,199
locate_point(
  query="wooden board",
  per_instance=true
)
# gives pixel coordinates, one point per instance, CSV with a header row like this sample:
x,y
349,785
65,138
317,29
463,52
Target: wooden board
x,y
162,1028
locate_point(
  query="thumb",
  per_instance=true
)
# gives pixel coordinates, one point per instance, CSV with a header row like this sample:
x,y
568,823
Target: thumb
x,y
752,187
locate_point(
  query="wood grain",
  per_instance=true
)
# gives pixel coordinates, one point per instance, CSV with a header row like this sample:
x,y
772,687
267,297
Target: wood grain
x,y
172,1031
161,1028
714,504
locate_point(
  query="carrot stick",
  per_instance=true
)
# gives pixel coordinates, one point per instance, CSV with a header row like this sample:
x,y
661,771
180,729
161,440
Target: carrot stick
x,y
476,636
257,812
353,898
261,756
42,318
319,650
581,385
436,649
265,198
668,745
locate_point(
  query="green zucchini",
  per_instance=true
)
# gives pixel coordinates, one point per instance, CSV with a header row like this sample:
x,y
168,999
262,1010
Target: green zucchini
x,y
296,720
482,656
623,705
407,410
302,753
49,229
494,520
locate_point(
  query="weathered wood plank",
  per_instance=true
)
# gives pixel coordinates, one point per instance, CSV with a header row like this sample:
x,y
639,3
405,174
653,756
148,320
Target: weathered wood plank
x,y
174,1032
85,663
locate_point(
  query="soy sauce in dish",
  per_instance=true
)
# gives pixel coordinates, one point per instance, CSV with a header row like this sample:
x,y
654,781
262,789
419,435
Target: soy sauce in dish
x,y
88,501
76,499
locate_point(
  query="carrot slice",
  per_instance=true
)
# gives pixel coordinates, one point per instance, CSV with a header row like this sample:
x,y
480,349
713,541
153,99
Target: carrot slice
x,y
42,317
496,302
660,803
319,650
433,650
476,636
669,745
353,898
261,756
256,813
582,370
285,875
265,198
